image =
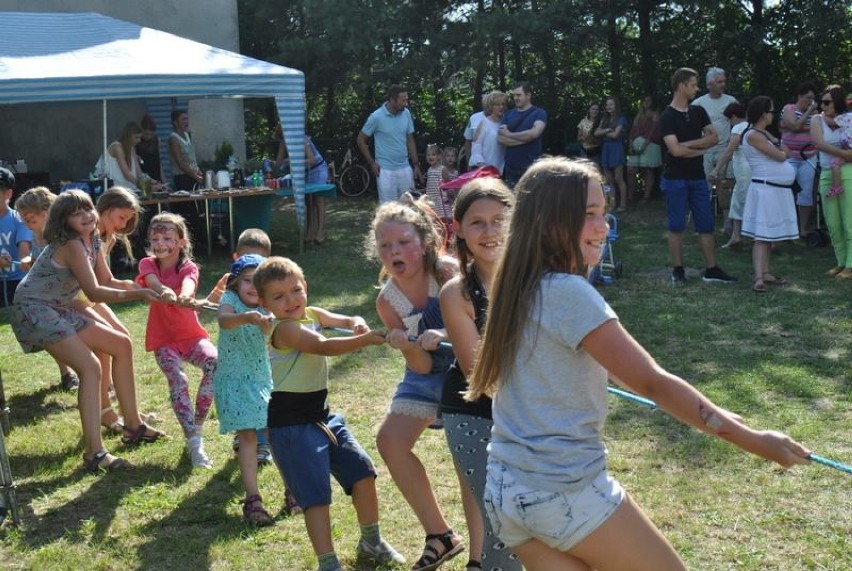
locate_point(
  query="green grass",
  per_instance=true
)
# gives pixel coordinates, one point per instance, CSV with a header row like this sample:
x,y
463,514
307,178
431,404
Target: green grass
x,y
780,359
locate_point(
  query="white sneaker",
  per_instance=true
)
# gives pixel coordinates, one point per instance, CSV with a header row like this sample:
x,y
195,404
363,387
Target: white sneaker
x,y
383,553
197,454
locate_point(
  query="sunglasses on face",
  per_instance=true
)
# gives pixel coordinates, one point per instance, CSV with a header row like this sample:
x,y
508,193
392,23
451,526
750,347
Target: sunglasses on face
x,y
827,101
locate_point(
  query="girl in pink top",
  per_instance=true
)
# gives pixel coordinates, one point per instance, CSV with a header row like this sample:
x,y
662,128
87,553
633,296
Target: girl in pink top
x,y
174,333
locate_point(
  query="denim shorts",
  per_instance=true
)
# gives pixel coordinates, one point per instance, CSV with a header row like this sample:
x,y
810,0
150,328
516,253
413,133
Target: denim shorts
x,y
693,194
519,513
307,458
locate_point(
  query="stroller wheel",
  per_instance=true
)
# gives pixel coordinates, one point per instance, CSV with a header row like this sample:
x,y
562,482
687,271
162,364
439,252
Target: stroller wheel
x,y
813,239
618,270
824,240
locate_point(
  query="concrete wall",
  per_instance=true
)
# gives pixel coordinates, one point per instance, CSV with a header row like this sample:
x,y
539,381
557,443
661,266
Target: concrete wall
x,y
66,139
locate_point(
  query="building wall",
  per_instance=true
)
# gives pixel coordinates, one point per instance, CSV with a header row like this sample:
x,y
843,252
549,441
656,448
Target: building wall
x,y
66,139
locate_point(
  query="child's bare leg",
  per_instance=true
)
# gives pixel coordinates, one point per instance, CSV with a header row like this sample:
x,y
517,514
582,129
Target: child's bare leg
x,y
366,501
537,556
76,353
318,524
248,460
641,546
105,314
121,351
395,441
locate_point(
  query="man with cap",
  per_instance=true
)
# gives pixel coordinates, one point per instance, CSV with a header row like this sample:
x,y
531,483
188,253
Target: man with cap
x,y
15,240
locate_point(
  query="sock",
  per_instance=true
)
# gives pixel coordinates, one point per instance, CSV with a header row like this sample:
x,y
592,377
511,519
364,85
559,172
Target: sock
x,y
328,562
370,533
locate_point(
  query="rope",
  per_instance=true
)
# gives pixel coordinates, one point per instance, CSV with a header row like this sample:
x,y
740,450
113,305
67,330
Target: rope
x,y
651,404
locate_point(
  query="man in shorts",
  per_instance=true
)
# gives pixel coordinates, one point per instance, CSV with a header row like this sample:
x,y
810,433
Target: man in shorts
x,y
687,134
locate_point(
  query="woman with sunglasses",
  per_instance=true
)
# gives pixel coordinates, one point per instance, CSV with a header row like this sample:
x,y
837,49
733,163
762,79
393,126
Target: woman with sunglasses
x,y
837,208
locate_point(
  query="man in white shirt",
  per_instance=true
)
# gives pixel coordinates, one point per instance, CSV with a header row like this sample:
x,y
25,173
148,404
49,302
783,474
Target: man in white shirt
x,y
714,102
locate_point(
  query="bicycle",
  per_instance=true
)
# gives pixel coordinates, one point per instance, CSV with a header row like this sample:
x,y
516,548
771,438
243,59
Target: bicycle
x,y
354,179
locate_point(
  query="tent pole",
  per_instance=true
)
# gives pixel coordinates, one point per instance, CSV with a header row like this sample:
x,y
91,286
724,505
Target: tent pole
x,y
105,131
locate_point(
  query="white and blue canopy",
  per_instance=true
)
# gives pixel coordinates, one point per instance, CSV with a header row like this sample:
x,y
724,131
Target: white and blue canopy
x,y
90,57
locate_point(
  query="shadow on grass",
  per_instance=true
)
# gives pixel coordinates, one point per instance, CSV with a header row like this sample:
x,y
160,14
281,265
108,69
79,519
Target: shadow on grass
x,y
200,520
89,515
29,409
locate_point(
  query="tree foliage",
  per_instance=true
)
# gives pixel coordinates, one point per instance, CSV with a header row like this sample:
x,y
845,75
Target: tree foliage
x,y
572,52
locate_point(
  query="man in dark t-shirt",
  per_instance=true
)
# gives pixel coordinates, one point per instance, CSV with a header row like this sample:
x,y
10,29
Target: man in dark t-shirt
x,y
687,133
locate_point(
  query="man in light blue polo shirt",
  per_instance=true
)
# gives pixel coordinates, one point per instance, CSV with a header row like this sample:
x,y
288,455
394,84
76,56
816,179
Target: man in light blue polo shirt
x,y
393,134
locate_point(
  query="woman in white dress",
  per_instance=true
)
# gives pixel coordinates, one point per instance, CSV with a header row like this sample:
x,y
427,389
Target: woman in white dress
x,y
770,211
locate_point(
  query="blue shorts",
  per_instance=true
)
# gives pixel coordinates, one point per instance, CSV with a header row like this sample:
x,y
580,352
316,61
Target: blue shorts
x,y
691,193
307,458
519,512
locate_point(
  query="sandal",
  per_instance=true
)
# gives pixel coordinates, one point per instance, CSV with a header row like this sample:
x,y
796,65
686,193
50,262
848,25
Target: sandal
x,y
770,279
291,506
473,564
142,434
759,286
254,513
106,462
431,558
114,427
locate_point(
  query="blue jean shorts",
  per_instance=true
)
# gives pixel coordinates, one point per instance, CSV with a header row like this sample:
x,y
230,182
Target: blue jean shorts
x,y
519,512
307,458
688,193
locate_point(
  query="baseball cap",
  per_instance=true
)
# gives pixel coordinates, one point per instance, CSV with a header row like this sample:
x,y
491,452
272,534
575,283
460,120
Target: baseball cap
x,y
243,262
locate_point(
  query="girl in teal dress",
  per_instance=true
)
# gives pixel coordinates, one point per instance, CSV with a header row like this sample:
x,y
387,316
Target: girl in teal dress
x,y
243,380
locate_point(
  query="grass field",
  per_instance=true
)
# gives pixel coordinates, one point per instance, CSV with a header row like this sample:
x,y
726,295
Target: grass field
x,y
781,359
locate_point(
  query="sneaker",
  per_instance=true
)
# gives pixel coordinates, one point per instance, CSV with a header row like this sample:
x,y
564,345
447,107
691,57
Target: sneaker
x,y
716,275
264,454
678,276
197,454
69,381
381,553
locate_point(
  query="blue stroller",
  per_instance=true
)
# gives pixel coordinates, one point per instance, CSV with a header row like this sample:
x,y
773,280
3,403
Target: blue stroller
x,y
607,270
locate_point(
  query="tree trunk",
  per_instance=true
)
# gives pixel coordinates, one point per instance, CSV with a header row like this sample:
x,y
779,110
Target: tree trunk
x,y
761,54
646,45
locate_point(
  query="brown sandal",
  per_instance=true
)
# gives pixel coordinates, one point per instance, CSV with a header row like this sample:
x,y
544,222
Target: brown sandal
x,y
254,513
759,285
142,434
770,279
103,461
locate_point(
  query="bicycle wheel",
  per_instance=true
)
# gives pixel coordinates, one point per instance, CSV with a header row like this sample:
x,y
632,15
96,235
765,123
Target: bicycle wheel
x,y
354,180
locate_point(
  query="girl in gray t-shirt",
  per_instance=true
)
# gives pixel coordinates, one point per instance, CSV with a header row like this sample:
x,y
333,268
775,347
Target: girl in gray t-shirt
x,y
550,343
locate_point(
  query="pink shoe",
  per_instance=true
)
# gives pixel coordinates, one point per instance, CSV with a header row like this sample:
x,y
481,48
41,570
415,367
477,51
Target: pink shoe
x,y
834,191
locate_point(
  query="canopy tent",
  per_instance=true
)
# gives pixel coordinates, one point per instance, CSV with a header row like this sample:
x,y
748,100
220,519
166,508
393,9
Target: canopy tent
x,y
48,57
